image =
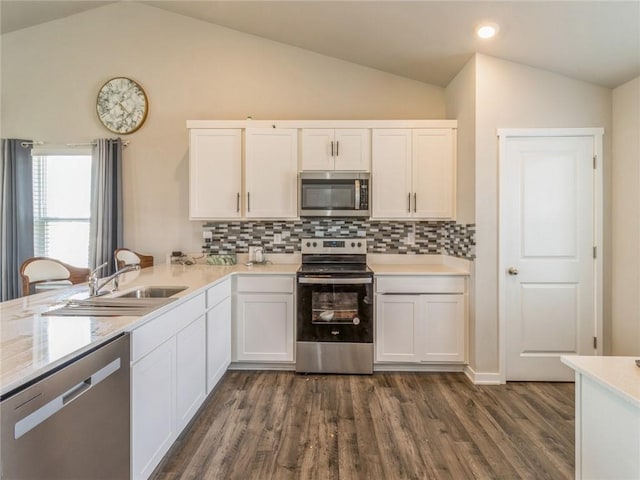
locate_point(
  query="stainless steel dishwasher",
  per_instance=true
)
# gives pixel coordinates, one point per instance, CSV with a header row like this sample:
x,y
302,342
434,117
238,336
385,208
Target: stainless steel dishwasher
x,y
72,424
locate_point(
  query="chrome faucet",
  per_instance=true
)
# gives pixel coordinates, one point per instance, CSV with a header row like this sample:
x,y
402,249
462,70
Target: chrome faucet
x,y
96,284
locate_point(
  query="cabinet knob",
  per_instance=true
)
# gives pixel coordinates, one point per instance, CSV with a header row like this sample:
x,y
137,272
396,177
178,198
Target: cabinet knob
x,y
513,271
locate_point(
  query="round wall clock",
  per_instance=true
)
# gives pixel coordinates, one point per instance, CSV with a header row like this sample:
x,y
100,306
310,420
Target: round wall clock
x,y
122,105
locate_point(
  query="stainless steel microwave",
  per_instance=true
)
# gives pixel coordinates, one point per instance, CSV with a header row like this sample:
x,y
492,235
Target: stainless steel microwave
x,y
334,194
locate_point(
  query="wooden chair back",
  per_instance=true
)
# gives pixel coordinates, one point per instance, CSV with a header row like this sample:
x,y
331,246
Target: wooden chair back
x,y
37,270
124,256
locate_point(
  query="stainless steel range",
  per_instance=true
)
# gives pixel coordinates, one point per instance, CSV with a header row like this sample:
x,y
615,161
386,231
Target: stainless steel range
x,y
335,307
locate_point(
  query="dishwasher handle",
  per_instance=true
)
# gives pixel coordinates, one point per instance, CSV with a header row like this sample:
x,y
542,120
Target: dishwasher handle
x,y
35,418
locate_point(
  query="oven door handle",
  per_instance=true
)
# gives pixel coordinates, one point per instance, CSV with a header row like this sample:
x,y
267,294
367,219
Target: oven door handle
x,y
335,281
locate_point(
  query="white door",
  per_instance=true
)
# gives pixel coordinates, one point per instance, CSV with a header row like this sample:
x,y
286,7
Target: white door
x,y
548,271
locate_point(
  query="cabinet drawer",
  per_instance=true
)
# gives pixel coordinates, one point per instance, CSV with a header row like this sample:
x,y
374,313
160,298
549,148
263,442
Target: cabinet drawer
x,y
426,284
218,293
265,284
155,332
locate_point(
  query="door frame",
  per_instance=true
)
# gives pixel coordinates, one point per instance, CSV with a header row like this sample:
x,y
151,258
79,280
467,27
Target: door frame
x,y
598,234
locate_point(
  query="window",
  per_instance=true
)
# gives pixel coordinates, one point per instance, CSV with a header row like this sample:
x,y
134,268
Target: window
x,y
62,205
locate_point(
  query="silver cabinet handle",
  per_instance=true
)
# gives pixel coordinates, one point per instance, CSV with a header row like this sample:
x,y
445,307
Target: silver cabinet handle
x,y
332,148
248,202
337,148
409,203
415,202
513,271
238,203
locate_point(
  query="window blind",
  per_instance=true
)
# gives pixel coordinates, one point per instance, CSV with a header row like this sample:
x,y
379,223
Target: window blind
x,y
61,203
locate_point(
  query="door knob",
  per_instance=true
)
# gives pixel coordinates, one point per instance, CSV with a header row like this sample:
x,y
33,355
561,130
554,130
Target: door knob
x,y
513,271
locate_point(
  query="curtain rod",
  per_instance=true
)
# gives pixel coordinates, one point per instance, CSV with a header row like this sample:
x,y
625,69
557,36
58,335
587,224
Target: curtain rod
x,y
125,143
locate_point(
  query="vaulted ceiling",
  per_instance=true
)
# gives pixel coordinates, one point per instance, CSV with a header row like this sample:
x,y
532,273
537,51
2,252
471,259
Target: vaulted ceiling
x,y
429,41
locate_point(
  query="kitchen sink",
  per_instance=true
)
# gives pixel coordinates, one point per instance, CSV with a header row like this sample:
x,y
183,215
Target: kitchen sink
x,y
109,307
152,292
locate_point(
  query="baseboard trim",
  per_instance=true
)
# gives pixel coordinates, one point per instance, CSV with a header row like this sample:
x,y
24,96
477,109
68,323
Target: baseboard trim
x,y
478,378
262,366
413,367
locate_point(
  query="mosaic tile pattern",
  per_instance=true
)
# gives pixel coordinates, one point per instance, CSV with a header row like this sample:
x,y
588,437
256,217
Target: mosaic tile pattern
x,y
444,237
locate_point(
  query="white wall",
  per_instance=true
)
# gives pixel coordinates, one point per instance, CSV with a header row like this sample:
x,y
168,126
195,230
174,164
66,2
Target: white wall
x,y
190,69
625,223
511,95
461,100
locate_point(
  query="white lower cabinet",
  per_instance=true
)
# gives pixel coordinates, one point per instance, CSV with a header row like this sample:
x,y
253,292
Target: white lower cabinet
x,y
421,327
191,364
153,383
168,381
264,326
218,338
397,325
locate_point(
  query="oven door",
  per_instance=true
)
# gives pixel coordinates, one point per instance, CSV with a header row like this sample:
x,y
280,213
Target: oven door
x,y
335,309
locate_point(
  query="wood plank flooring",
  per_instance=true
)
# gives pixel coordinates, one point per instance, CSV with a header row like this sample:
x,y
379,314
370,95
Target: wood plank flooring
x,y
279,425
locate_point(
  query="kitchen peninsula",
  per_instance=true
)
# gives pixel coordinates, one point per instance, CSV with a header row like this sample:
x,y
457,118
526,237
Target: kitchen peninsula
x,y
607,416
180,351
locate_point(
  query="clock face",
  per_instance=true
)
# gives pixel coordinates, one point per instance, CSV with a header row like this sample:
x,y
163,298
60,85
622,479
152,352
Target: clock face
x,y
122,105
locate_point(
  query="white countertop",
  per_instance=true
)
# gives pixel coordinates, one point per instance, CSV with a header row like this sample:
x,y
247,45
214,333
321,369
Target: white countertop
x,y
420,269
618,374
32,344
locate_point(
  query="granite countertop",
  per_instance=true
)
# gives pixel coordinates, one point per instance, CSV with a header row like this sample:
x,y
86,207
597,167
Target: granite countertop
x,y
32,344
620,375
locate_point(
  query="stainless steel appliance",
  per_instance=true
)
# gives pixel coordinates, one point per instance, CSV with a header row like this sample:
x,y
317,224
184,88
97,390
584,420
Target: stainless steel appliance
x,y
334,194
72,424
334,294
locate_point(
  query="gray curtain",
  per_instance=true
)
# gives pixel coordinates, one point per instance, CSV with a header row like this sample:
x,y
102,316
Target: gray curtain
x,y
105,233
16,214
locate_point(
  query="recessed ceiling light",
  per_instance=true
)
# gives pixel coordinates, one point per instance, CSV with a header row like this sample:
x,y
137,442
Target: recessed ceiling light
x,y
487,30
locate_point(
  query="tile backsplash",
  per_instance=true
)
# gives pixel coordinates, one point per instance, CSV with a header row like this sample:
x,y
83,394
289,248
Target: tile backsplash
x,y
443,237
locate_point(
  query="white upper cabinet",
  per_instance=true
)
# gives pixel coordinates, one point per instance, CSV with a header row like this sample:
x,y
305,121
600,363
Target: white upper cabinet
x,y
346,149
271,173
215,173
391,173
414,173
434,173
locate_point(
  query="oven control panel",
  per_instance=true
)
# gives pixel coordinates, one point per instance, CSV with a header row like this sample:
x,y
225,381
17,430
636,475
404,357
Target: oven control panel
x,y
334,246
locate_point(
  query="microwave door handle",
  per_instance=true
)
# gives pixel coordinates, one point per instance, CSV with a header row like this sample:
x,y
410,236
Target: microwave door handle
x,y
357,191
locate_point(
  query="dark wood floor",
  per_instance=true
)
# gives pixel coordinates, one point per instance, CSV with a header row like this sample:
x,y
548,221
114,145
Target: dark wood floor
x,y
279,425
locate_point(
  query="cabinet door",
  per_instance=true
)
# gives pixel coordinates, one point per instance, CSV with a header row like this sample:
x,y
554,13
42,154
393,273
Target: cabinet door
x,y
264,327
271,173
190,371
153,412
317,149
397,328
391,173
215,173
434,173
218,342
352,149
444,328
